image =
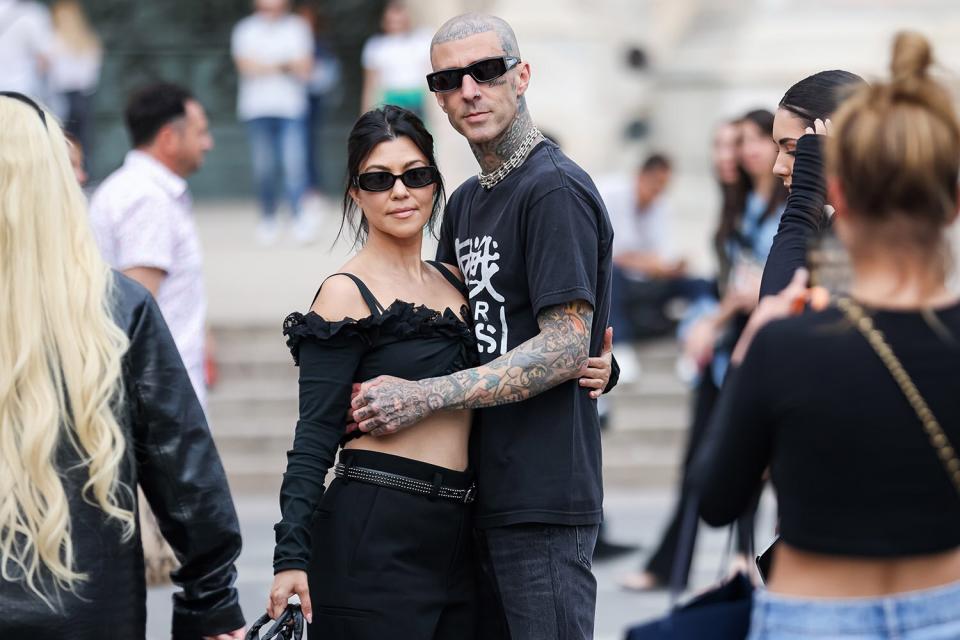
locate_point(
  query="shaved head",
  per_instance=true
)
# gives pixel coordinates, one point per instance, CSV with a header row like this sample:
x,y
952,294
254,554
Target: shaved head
x,y
471,24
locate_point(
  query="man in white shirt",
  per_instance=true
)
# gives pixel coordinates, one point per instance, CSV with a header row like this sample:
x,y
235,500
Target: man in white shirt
x,y
142,214
25,40
647,271
273,51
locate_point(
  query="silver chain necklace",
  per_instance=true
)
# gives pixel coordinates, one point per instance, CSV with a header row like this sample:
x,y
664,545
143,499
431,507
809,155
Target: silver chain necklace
x,y
489,180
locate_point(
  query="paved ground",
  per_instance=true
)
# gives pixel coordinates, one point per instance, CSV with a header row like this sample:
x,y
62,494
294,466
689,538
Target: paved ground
x,y
633,516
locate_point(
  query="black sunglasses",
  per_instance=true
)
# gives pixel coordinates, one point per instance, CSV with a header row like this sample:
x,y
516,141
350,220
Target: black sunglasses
x,y
482,71
414,178
27,101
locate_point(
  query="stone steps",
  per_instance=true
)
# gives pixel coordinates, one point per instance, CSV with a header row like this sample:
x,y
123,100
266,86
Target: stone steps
x,y
253,412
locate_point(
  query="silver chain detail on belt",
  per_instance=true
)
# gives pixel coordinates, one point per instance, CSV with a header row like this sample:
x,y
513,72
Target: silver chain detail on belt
x,y
488,180
411,485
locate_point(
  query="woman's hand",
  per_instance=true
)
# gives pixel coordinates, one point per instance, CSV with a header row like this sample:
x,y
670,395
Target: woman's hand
x,y
821,128
597,375
788,302
286,584
700,342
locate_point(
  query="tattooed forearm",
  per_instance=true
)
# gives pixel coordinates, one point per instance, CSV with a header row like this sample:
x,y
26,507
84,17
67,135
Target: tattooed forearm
x,y
557,354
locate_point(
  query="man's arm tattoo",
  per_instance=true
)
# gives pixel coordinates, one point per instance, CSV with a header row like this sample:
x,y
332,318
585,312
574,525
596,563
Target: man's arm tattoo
x,y
557,354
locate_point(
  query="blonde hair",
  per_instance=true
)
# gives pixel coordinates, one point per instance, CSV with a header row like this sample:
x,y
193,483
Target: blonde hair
x,y
896,148
60,357
72,26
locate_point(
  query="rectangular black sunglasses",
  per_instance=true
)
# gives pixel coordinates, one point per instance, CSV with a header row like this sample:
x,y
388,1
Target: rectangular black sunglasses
x,y
484,70
27,101
414,178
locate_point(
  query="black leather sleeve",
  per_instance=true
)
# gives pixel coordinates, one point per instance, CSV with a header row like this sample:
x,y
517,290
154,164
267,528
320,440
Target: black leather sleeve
x,y
803,218
181,475
614,374
327,370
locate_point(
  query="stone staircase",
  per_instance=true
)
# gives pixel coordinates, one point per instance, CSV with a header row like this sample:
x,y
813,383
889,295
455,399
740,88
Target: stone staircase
x,y
253,411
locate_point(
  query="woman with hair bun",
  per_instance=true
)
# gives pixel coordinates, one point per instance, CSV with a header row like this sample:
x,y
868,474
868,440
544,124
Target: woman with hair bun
x,y
854,408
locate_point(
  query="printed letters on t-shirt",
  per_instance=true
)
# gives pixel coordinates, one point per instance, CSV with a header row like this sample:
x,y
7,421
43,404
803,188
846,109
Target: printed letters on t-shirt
x,y
478,259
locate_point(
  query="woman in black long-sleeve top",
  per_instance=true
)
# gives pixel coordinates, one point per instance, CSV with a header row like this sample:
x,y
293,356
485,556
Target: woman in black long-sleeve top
x,y
867,476
800,166
94,400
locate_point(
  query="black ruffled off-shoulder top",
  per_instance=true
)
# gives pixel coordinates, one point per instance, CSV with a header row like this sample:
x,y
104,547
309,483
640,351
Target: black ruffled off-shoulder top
x,y
402,340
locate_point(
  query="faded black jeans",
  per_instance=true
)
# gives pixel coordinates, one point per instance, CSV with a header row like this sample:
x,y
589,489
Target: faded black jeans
x,y
537,582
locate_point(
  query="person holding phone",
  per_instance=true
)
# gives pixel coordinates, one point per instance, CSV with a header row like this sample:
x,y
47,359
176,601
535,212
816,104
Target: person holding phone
x,y
854,408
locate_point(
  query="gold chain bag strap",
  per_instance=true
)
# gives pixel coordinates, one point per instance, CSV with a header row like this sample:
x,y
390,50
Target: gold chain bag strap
x,y
938,439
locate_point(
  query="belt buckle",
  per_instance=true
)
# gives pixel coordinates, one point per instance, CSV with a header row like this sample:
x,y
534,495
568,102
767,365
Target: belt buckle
x,y
470,494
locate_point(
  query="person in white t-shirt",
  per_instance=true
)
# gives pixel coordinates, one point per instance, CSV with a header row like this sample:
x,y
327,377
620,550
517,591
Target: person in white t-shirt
x,y
76,56
646,266
273,51
25,40
396,62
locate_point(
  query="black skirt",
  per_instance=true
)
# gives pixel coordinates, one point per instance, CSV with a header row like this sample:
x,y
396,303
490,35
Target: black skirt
x,y
386,563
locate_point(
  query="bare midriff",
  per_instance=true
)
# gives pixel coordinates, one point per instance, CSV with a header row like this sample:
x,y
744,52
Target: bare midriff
x,y
813,575
439,440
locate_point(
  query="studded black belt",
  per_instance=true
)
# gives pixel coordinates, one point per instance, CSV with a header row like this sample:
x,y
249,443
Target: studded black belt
x,y
403,483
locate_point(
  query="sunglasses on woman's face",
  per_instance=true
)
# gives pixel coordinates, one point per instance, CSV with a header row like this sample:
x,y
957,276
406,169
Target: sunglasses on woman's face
x,y
484,70
414,178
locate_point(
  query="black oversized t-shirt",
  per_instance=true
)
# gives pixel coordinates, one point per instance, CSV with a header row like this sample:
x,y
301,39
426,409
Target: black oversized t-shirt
x,y
541,237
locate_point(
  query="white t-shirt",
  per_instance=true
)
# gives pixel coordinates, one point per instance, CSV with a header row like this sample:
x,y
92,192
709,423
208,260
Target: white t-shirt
x,y
141,217
636,230
72,70
402,61
272,41
25,35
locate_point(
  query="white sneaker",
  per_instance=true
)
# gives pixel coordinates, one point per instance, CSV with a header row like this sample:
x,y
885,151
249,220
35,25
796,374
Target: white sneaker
x,y
305,228
268,232
630,368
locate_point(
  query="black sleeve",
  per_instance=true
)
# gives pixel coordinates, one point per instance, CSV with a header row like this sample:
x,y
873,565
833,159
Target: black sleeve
x,y
446,251
803,218
728,469
327,367
180,473
614,374
561,250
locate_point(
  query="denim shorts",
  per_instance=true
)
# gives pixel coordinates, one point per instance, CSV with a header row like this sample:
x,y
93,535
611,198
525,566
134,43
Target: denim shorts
x,y
931,614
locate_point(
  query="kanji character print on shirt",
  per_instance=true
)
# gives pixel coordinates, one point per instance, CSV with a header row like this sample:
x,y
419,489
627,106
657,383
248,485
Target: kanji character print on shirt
x,y
478,259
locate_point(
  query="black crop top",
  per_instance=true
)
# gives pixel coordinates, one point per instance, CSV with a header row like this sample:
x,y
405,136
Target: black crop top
x,y
854,471
402,340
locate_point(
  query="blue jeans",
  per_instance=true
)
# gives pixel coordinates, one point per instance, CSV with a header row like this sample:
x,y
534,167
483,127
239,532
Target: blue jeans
x,y
932,614
279,145
541,579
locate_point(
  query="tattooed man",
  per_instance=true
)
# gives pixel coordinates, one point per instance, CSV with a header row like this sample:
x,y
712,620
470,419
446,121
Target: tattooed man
x,y
533,241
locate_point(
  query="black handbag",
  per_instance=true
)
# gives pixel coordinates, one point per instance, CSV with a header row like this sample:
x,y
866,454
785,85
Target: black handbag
x,y
289,626
722,613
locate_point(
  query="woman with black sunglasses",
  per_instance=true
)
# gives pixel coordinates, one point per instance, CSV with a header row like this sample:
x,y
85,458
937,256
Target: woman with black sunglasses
x,y
385,551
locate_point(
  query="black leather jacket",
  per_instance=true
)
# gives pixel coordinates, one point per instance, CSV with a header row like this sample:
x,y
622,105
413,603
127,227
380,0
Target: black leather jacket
x,y
173,458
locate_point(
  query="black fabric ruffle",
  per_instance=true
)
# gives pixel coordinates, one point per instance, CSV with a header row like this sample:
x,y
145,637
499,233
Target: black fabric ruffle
x,y
401,320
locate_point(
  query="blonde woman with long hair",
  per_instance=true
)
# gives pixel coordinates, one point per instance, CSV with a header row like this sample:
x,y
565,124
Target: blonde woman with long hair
x,y
93,400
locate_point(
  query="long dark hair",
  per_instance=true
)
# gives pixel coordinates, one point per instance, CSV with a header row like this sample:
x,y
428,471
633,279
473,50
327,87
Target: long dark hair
x,y
736,203
819,95
382,125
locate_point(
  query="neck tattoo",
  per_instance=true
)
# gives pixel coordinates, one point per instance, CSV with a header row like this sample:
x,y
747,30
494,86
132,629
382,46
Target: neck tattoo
x,y
489,180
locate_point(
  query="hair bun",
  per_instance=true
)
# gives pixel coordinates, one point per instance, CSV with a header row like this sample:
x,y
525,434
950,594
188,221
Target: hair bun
x,y
912,56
